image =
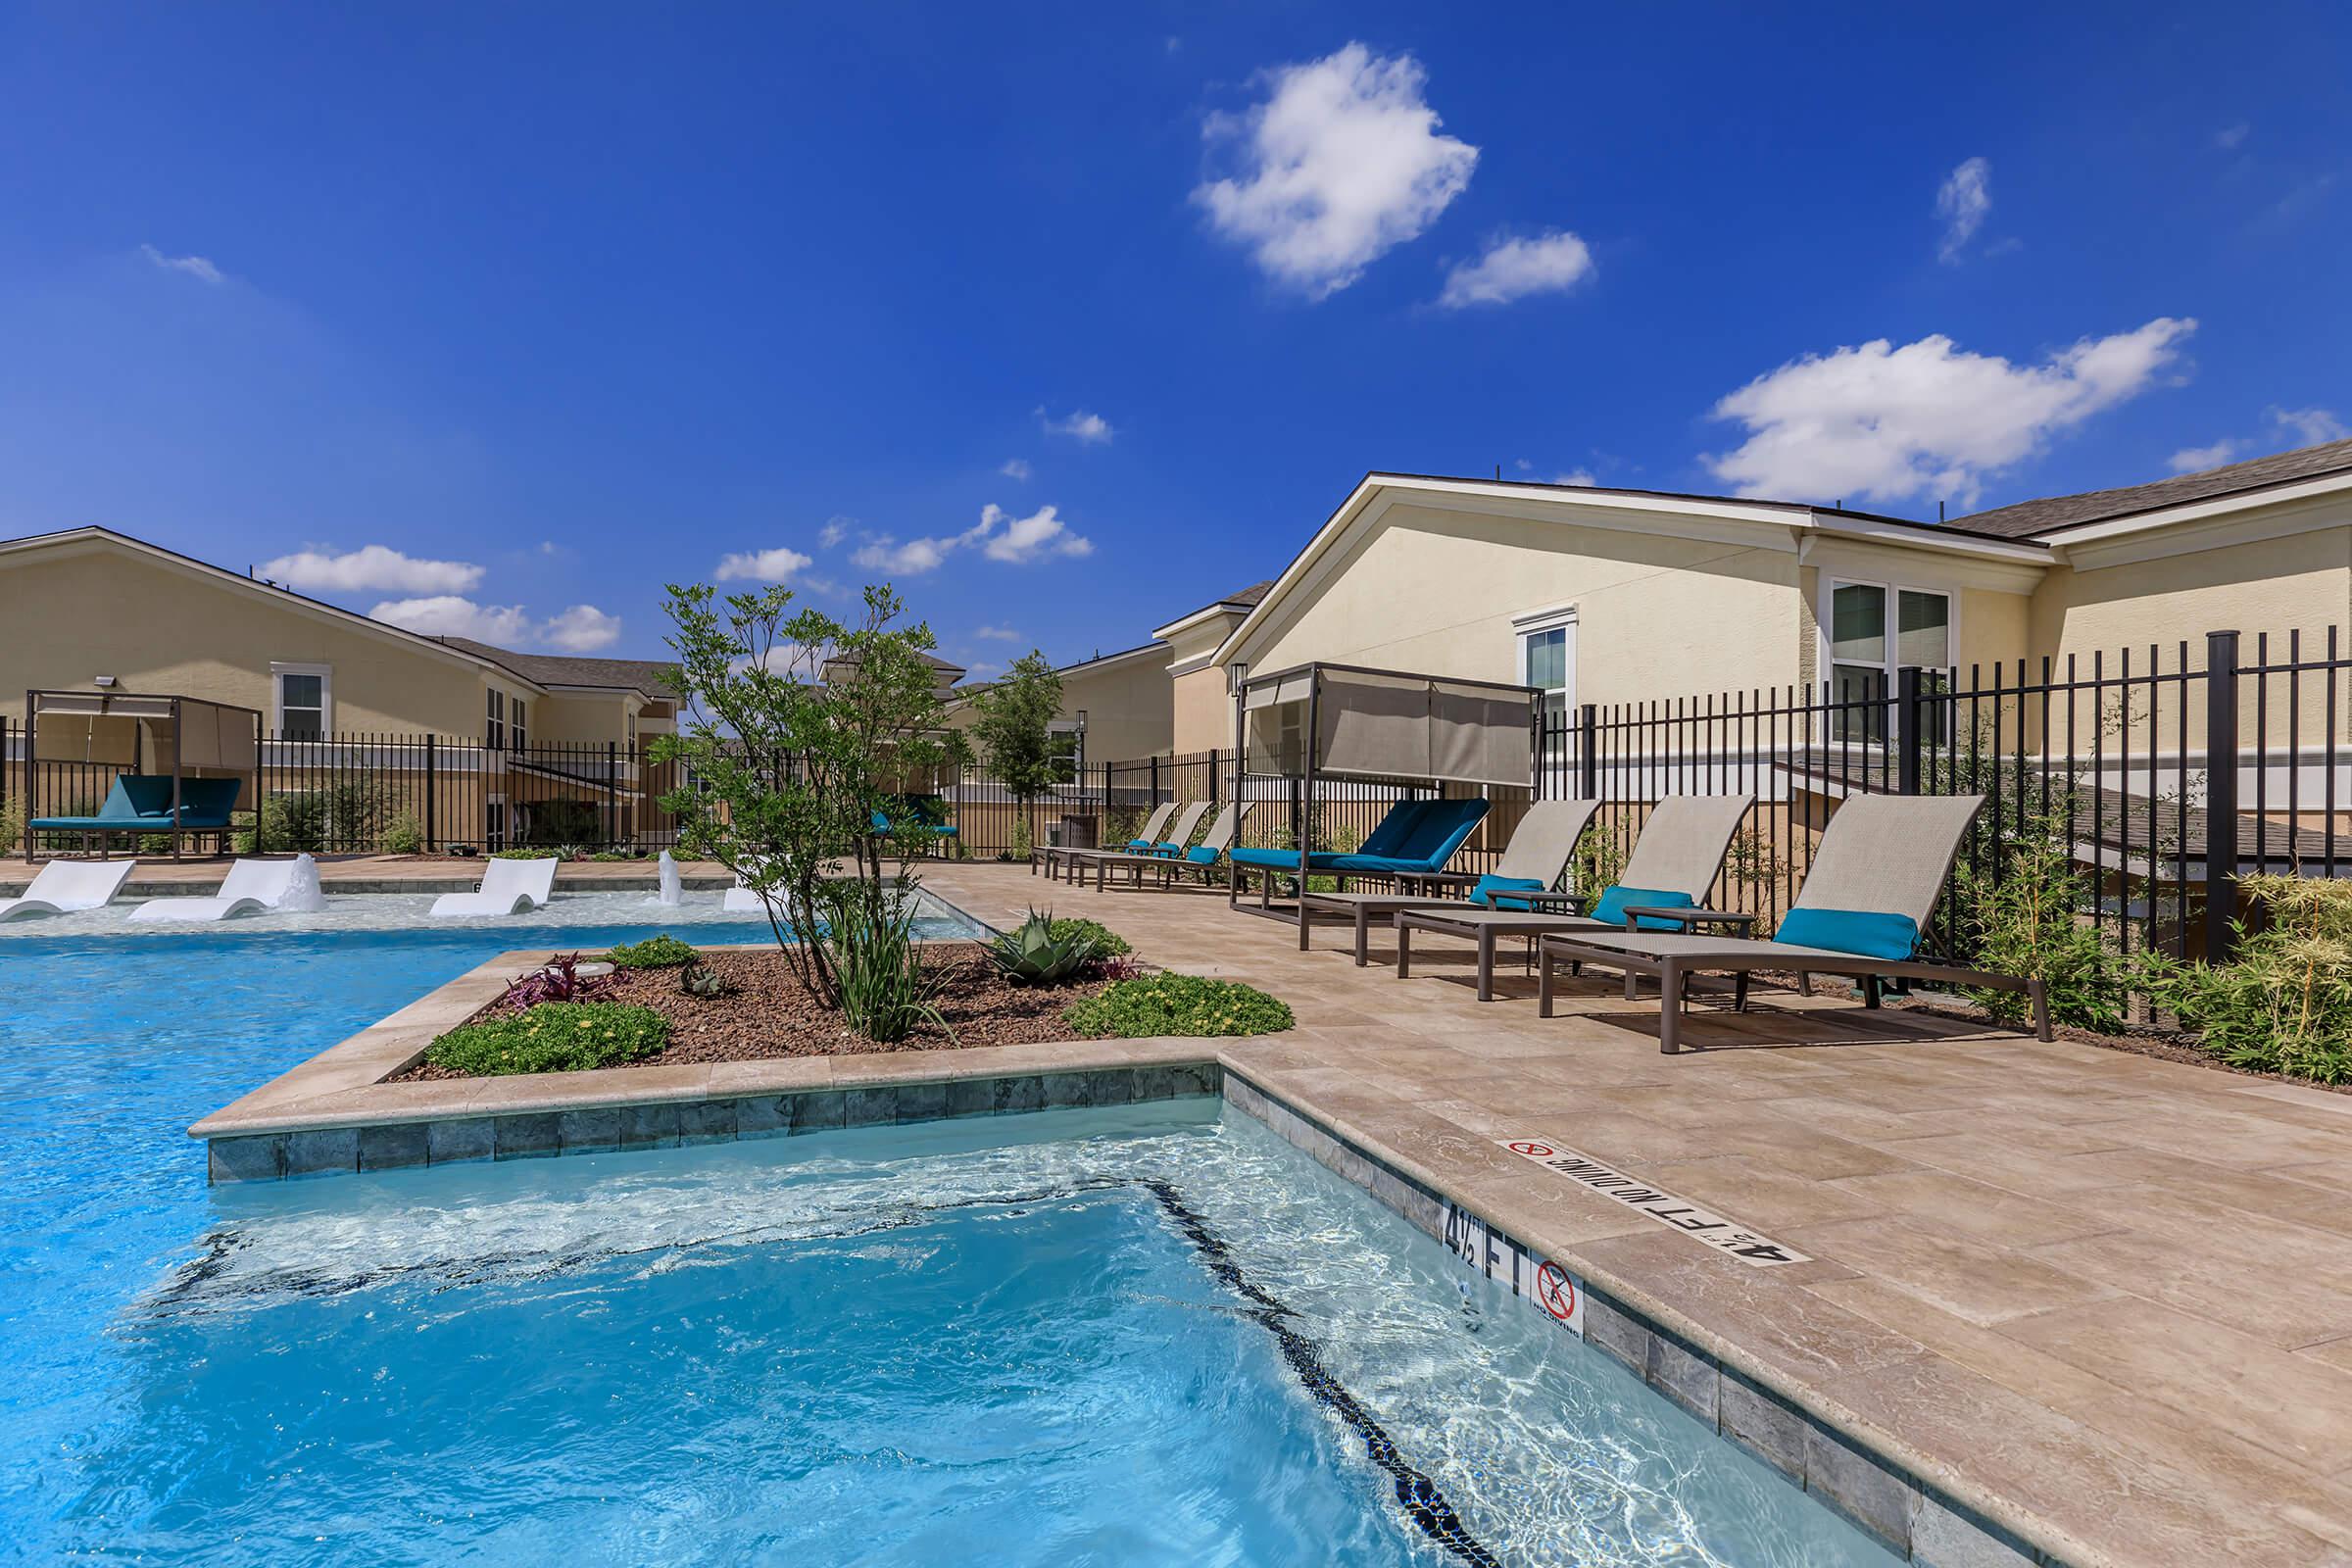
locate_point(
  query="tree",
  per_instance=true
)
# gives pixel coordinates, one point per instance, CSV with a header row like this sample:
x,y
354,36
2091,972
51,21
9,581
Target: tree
x,y
792,728
1013,728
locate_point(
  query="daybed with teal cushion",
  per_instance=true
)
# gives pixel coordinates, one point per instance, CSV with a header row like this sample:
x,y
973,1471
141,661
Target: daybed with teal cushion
x,y
1415,836
1875,879
142,803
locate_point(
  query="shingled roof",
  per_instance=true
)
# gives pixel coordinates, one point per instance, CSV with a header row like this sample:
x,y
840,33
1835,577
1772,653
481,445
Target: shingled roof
x,y
650,676
2028,519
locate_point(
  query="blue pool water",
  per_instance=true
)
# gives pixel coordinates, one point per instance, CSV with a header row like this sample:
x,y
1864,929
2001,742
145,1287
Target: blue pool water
x,y
1033,1340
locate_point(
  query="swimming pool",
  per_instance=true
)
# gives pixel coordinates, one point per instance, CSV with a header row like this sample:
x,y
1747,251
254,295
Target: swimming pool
x,y
1127,1335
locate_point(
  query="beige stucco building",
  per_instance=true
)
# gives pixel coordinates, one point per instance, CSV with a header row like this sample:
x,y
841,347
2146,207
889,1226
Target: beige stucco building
x,y
1617,596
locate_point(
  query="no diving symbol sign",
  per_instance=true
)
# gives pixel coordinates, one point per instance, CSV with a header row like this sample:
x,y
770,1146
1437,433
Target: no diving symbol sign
x,y
1556,1291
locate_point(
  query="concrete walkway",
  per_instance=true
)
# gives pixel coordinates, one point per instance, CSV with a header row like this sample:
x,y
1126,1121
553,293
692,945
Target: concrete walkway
x,y
2105,1295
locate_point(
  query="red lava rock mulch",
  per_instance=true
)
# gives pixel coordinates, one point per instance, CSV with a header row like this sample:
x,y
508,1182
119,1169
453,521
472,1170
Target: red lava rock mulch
x,y
769,1015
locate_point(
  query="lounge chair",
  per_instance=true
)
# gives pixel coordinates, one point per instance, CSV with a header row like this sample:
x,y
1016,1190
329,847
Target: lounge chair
x,y
1531,863
142,803
1415,839
250,887
62,887
509,887
1674,862
1875,879
916,823
1056,855
1074,862
1204,857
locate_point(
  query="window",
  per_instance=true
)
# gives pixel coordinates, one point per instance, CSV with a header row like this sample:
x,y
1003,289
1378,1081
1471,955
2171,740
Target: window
x,y
494,826
494,723
304,697
1066,741
1548,662
521,736
1864,654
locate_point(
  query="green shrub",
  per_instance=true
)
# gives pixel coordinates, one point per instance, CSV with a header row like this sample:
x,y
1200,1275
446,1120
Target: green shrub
x,y
1023,847
562,821
348,814
525,854
886,993
2030,924
405,835
1109,944
1177,1004
663,952
12,825
2283,1003
552,1037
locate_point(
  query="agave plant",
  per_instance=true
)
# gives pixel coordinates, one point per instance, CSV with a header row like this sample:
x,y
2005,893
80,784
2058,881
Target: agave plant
x,y
703,984
1034,956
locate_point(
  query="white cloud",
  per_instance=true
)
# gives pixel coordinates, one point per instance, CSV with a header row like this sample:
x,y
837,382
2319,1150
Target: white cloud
x,y
775,565
974,673
1015,469
450,616
835,530
371,567
1962,203
1576,476
2310,426
1513,268
196,266
883,553
1000,634
1341,164
582,629
1005,538
2229,138
1090,428
999,535
1882,422
2189,459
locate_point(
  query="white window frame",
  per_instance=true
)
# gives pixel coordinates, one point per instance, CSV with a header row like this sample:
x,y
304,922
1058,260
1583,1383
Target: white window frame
x,y
1825,627
279,670
494,718
1071,727
1534,623
518,727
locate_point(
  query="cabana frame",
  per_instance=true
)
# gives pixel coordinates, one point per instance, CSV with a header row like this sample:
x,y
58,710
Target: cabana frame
x,y
223,739
1326,683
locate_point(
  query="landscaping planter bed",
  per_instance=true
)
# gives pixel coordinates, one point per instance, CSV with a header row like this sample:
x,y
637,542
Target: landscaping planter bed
x,y
767,1015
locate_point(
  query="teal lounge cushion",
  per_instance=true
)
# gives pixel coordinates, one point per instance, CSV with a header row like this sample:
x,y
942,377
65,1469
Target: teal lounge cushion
x,y
1615,901
1489,885
1201,854
1389,834
1274,859
1867,933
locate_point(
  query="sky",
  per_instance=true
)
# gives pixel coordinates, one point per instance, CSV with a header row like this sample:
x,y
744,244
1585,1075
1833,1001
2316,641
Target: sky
x,y
1068,319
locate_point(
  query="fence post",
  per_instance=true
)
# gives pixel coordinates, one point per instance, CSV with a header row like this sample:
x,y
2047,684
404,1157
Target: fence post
x,y
433,840
1906,730
1212,776
1155,778
1587,752
611,793
2221,795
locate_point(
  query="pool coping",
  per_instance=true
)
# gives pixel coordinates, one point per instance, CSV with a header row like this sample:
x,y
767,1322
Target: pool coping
x,y
333,1115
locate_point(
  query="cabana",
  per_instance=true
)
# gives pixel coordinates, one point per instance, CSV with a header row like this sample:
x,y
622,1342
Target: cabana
x,y
1325,726
174,765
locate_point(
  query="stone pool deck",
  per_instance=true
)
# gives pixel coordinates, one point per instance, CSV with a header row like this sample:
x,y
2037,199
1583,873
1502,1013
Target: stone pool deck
x,y
2101,1302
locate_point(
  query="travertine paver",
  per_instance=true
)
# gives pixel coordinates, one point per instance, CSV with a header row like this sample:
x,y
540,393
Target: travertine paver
x,y
2107,1299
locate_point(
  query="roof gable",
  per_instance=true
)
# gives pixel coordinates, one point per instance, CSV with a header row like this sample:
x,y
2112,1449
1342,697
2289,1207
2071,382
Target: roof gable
x,y
2046,514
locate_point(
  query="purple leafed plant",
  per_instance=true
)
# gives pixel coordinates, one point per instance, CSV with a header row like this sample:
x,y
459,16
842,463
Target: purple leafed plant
x,y
559,980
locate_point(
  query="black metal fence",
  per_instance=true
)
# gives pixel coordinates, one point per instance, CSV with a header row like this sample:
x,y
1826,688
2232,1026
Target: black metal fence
x,y
2162,774
361,793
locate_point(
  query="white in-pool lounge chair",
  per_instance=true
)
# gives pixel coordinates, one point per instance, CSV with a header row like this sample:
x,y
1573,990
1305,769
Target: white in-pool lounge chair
x,y
66,886
509,887
250,887
740,900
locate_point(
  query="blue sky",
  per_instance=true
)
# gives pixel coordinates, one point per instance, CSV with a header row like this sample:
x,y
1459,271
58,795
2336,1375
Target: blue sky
x,y
1067,319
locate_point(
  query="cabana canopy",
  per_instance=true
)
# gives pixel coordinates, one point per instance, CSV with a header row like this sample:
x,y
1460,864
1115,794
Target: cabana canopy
x,y
1346,722
171,765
